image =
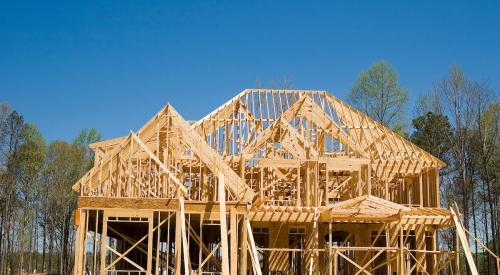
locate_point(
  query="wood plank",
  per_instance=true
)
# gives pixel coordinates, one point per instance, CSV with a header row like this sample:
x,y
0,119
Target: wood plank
x,y
234,241
464,242
253,249
223,225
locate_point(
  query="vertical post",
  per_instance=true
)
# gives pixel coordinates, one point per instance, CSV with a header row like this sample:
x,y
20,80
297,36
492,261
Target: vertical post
x,y
438,202
330,267
388,236
243,246
80,246
149,263
326,186
314,244
359,189
369,178
104,240
409,187
401,251
178,243
158,234
76,269
421,191
223,225
94,260
308,185
242,167
299,203
185,246
335,261
386,186
261,183
234,241
434,248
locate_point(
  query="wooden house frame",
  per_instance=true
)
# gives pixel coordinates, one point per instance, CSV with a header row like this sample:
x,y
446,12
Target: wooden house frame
x,y
271,182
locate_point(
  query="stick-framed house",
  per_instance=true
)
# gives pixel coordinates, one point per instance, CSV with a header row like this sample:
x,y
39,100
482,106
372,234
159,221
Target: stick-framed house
x,y
271,182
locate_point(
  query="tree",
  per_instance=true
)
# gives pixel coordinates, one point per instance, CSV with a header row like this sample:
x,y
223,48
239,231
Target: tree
x,y
485,160
27,166
36,199
11,136
432,132
378,94
82,142
66,163
472,145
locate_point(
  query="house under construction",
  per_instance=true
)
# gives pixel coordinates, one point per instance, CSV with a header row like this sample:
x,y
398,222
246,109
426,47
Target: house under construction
x,y
271,182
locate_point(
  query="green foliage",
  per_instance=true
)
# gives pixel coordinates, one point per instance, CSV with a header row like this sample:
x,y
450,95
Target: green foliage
x,y
36,199
82,142
432,132
378,94
11,133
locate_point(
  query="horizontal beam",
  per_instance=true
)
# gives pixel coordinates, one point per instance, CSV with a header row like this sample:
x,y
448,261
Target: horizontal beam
x,y
156,204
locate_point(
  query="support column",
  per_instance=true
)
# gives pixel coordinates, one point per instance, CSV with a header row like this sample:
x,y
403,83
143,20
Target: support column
x,y
223,225
393,242
369,178
308,185
335,261
185,247
433,263
104,241
299,200
421,190
330,264
243,247
326,195
402,266
386,186
178,243
312,240
234,241
436,184
150,245
80,247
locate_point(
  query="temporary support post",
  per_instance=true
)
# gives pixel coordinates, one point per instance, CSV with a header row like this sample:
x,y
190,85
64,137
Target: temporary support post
x,y
315,237
149,264
104,240
185,247
223,225
253,250
464,241
80,247
234,241
243,247
330,244
178,243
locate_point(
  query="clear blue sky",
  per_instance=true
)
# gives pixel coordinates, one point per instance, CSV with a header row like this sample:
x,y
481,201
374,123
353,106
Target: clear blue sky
x,y
113,64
